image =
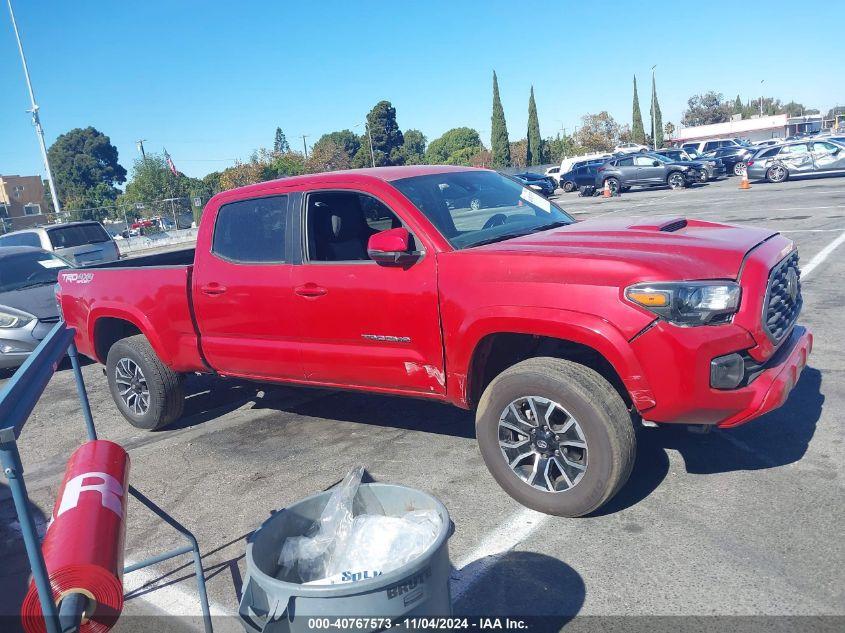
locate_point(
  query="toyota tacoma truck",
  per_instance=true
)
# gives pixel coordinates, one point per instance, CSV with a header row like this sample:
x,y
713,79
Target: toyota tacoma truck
x,y
460,285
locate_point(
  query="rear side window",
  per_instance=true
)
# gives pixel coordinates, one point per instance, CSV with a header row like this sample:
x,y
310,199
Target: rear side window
x,y
77,235
794,150
769,153
251,231
21,239
625,162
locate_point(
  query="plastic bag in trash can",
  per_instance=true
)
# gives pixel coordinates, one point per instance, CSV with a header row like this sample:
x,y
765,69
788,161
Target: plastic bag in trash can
x,y
342,548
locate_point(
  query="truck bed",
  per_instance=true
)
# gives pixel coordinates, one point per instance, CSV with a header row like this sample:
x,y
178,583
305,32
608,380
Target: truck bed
x,y
181,257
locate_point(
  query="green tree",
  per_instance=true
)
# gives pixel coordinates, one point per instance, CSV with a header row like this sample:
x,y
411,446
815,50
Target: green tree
x,y
637,131
704,109
519,153
669,129
347,140
534,148
413,147
738,107
499,130
656,116
560,147
386,137
598,132
457,140
85,169
280,143
328,156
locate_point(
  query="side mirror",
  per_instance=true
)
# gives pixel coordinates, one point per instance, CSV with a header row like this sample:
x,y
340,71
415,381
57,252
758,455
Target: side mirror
x,y
391,247
655,163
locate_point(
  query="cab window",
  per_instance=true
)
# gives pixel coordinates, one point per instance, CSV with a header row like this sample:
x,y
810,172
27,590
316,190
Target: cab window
x,y
252,231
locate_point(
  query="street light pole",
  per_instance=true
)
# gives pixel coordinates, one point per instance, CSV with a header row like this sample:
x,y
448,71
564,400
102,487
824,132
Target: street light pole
x,y
140,143
36,121
761,96
653,118
304,146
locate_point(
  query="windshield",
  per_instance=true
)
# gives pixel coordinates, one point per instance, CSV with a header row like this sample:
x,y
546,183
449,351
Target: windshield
x,y
471,208
25,270
77,235
659,157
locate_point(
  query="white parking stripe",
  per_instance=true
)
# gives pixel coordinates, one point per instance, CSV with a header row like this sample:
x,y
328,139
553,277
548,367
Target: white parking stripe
x,y
821,256
169,599
518,527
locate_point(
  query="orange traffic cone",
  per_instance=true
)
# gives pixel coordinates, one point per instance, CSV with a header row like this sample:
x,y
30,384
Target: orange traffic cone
x,y
606,193
744,184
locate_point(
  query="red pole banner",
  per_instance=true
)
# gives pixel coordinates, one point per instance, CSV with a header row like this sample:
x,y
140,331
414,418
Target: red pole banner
x,y
83,548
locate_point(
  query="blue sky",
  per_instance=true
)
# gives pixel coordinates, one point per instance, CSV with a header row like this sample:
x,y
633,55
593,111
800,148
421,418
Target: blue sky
x,y
210,81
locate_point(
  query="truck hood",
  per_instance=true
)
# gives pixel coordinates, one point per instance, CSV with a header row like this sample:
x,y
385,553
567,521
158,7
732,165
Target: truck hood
x,y
657,248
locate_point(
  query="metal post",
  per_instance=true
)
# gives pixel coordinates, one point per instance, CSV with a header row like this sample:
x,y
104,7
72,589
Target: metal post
x,y
173,210
140,143
36,121
653,104
304,146
80,390
370,136
11,460
761,96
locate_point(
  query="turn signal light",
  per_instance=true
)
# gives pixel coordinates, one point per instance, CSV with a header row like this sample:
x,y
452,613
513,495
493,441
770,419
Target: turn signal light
x,y
649,299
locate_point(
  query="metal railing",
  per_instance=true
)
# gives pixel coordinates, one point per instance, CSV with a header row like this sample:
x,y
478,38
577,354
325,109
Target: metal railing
x,y
17,400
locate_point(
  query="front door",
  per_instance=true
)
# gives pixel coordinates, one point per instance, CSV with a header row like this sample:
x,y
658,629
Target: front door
x,y
828,157
243,297
650,171
797,158
365,324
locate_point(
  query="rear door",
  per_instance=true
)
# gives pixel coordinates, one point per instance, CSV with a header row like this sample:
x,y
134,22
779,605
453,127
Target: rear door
x,y
83,243
628,171
243,294
828,156
365,324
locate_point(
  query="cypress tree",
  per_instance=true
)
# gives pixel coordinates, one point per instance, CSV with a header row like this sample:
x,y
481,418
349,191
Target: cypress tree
x,y
534,147
738,105
637,132
657,117
499,131
280,143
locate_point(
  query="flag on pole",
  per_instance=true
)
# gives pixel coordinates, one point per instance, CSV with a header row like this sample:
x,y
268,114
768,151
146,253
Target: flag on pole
x,y
170,163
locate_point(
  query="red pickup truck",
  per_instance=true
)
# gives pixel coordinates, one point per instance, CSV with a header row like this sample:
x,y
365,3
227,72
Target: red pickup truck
x,y
460,285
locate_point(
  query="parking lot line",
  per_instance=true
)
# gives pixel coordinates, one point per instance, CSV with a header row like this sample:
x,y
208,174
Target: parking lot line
x,y
168,599
513,531
821,256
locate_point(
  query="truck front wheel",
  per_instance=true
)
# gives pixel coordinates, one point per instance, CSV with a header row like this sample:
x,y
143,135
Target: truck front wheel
x,y
556,436
147,392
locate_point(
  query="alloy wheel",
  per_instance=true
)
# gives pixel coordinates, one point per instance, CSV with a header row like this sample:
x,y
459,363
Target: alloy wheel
x,y
543,444
676,181
132,386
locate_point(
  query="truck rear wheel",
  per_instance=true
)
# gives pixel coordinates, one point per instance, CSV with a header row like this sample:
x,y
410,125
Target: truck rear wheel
x,y
147,392
556,436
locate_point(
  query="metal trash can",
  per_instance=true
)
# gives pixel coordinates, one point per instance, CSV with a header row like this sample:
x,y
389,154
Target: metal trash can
x,y
418,588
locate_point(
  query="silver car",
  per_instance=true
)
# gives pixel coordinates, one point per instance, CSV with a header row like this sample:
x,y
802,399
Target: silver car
x,y
80,242
27,300
796,159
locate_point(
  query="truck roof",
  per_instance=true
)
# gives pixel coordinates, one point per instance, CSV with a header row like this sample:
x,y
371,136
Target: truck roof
x,y
386,174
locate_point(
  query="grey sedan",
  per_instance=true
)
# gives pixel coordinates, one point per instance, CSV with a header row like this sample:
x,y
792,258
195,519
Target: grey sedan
x,y
27,300
797,159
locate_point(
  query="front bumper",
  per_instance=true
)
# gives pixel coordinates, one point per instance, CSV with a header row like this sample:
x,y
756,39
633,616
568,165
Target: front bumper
x,y
757,171
676,364
21,342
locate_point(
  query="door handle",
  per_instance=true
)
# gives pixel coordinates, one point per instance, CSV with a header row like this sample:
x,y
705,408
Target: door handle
x,y
213,289
310,290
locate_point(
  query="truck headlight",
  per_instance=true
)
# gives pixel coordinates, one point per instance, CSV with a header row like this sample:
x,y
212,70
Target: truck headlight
x,y
10,319
688,302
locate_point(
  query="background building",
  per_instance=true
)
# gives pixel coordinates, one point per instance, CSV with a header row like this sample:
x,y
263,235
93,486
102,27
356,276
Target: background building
x,y
21,202
755,129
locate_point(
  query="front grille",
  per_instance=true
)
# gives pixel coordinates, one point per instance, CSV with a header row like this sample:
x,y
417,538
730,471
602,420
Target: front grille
x,y
783,298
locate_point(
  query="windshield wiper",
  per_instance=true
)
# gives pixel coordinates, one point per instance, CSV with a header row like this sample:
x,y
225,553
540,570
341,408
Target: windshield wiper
x,y
35,284
508,236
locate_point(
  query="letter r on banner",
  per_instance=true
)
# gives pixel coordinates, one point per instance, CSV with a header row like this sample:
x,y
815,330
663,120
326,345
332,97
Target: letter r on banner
x,y
110,491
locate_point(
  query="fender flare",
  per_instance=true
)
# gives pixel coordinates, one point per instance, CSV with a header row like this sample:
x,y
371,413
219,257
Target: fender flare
x,y
132,315
567,325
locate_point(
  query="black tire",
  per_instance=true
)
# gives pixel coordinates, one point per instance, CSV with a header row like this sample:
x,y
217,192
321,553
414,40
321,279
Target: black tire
x,y
600,413
613,185
569,186
676,180
703,176
166,397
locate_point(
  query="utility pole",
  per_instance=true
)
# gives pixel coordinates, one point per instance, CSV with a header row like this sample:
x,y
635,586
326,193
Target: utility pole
x,y
36,121
304,146
140,144
761,96
653,117
370,136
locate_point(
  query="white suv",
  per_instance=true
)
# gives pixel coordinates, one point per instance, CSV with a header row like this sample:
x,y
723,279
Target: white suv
x,y
700,147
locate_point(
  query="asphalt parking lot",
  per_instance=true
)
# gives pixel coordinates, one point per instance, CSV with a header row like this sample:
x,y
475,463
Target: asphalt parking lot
x,y
747,522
